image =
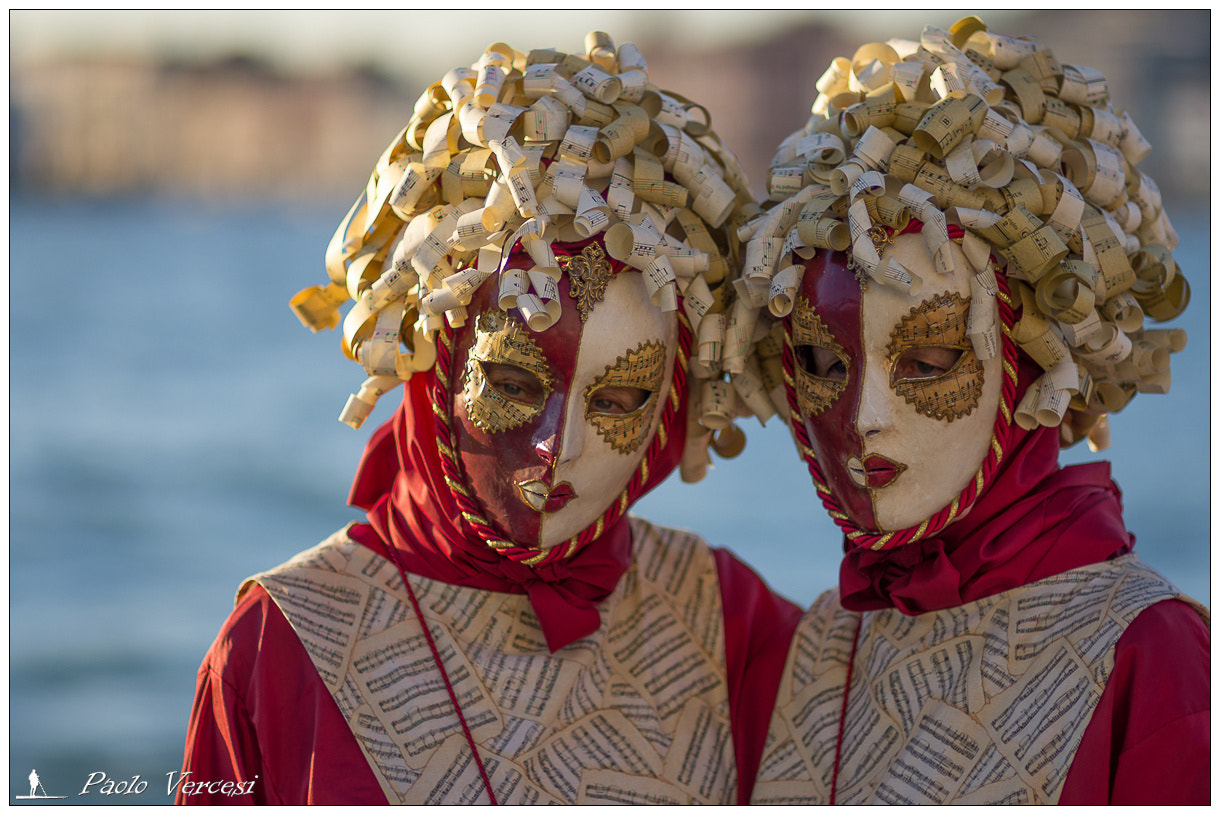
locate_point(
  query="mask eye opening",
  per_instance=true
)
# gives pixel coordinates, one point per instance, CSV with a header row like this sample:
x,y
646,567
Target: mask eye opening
x,y
623,400
514,382
821,362
926,363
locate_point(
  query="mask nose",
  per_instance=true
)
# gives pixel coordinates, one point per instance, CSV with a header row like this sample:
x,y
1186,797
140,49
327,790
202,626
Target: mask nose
x,y
875,412
572,437
559,439
548,437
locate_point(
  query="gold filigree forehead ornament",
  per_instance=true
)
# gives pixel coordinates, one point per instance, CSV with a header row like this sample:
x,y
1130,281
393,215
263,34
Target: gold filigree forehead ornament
x,y
881,237
588,274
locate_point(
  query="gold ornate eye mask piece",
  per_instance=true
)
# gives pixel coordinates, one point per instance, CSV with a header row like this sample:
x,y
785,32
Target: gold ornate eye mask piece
x,y
642,368
940,322
814,394
500,338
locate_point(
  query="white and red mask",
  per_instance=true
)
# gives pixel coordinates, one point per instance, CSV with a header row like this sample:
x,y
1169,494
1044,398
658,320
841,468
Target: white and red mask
x,y
899,409
550,426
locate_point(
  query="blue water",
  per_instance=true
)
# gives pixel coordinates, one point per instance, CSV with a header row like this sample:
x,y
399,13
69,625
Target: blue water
x,y
173,430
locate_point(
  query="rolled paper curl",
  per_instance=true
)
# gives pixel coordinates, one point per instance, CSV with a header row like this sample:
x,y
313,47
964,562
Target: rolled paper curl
x,y
711,340
544,284
751,390
360,404
1088,330
1168,304
714,200
317,307
661,283
739,331
1028,94
825,233
1062,117
697,298
834,79
1110,348
981,321
1043,404
1134,146
1066,293
717,404
949,121
821,148
456,316
874,147
1102,125
888,211
783,290
459,85
537,316
1097,171
623,134
592,214
1083,86
877,110
597,84
1043,66
870,66
1124,311
729,441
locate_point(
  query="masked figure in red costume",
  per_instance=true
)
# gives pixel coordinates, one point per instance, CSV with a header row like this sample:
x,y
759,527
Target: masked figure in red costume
x,y
534,256
962,293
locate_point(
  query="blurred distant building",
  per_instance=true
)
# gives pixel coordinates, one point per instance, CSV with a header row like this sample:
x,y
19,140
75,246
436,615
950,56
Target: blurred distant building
x,y
228,129
1158,64
236,127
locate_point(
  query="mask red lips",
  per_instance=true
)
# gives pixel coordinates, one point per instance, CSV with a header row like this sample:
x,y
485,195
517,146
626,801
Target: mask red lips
x,y
559,497
541,498
879,471
874,471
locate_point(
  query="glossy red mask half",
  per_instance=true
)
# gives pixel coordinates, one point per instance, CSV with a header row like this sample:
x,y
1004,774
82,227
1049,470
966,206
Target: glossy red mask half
x,y
833,290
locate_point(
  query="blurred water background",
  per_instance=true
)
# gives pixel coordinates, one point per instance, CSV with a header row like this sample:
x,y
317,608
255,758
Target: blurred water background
x,y
172,426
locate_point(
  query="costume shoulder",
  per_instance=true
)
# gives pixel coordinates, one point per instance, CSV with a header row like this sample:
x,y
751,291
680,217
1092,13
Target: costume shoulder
x,y
330,555
256,630
1149,739
663,554
324,593
1141,586
264,718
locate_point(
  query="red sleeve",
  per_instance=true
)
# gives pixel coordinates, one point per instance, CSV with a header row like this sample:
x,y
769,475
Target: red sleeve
x,y
1149,741
758,628
264,728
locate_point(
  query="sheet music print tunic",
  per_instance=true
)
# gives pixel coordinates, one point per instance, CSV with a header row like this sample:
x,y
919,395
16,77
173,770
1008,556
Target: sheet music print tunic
x,y
983,703
636,713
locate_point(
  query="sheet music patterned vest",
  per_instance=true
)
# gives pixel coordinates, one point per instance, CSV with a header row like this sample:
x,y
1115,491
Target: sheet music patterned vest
x,y
636,713
984,703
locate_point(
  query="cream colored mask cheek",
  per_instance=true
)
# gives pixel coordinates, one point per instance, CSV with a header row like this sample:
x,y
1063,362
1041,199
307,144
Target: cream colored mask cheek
x,y
626,342
934,431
